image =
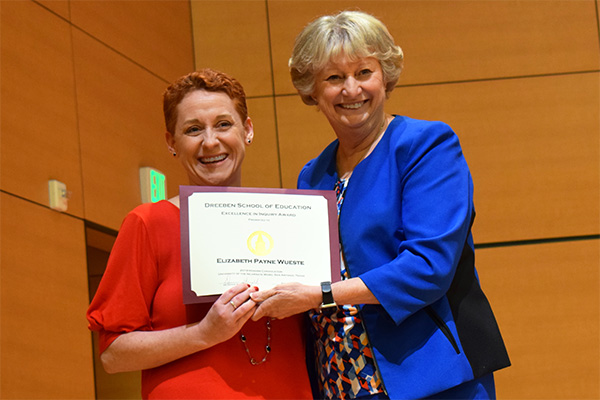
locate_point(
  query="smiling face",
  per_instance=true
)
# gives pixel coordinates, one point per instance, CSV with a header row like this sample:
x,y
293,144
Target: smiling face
x,y
351,94
210,139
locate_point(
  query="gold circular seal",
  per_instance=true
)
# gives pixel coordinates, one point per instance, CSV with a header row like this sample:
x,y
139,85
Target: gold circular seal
x,y
260,243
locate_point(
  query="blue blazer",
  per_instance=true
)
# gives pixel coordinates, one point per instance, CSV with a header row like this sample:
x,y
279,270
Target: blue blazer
x,y
405,230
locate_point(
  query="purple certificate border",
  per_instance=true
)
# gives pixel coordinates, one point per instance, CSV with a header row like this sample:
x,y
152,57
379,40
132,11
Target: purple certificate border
x,y
190,297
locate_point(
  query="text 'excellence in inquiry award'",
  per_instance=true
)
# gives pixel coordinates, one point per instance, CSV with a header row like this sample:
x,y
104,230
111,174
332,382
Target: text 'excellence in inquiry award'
x,y
262,237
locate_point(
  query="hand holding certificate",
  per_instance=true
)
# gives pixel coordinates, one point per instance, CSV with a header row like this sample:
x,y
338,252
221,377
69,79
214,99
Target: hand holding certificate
x,y
263,237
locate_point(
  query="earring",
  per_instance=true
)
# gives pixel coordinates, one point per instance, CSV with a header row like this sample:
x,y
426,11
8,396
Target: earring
x,y
249,141
174,154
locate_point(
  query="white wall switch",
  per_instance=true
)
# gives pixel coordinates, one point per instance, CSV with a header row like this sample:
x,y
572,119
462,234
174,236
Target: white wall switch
x,y
58,195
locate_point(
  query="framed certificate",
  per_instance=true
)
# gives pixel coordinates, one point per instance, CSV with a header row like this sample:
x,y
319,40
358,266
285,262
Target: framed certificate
x,y
262,237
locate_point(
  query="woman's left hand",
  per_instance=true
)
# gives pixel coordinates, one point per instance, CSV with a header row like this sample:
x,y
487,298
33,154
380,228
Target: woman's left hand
x,y
285,300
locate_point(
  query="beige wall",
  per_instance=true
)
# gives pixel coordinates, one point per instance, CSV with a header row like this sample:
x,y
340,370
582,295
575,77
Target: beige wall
x,y
519,82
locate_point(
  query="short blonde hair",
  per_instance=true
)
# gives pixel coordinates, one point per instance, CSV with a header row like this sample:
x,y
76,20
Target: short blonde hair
x,y
355,34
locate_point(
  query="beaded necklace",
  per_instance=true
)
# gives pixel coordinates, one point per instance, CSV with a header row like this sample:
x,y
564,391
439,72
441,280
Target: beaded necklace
x,y
267,347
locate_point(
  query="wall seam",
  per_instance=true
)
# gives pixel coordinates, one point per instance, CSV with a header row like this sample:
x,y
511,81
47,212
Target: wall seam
x,y
101,42
507,243
193,36
273,96
597,21
491,79
77,121
527,242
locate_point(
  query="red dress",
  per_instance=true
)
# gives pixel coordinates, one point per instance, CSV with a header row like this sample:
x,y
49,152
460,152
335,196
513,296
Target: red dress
x,y
141,290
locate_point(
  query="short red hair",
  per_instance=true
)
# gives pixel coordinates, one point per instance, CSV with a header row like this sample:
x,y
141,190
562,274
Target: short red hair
x,y
205,79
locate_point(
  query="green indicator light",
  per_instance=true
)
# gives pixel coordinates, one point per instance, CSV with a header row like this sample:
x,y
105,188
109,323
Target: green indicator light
x,y
157,186
153,184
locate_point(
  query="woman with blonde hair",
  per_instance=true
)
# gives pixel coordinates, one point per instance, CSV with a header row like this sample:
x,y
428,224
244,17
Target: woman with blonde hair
x,y
409,319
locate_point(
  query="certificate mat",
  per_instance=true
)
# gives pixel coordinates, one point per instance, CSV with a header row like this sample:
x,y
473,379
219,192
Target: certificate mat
x,y
262,237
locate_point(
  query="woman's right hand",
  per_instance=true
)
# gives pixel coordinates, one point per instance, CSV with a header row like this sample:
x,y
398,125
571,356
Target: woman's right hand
x,y
139,350
228,314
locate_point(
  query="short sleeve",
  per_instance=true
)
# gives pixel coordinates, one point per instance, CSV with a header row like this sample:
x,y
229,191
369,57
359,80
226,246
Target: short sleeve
x,y
123,300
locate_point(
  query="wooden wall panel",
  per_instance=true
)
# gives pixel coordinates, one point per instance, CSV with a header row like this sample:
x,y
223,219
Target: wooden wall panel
x,y
532,146
39,124
261,165
460,40
46,348
60,7
122,129
154,34
545,298
303,134
232,36
69,107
